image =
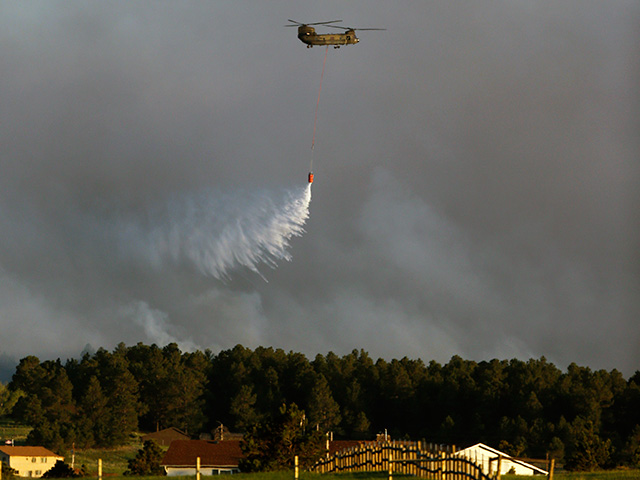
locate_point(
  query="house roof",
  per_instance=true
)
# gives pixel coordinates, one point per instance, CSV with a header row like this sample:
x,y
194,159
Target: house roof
x,y
339,445
166,434
27,452
183,453
493,451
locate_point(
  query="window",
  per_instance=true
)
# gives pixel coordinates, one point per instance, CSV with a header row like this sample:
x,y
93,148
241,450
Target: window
x,y
43,459
38,473
33,460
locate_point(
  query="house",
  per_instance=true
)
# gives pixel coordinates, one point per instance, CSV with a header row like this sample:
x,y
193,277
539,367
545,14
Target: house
x,y
215,457
487,457
29,461
220,433
334,446
166,436
223,433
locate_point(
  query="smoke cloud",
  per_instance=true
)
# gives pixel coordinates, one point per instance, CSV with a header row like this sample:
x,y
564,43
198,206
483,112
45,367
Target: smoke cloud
x,y
476,186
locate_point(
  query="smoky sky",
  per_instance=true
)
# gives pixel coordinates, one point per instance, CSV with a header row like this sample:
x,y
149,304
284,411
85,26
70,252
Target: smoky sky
x,y
476,171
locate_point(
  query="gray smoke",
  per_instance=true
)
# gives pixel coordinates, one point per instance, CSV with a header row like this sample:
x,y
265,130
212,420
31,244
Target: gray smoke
x,y
475,194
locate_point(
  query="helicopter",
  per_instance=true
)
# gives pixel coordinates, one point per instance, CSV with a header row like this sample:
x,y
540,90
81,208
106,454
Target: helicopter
x,y
307,34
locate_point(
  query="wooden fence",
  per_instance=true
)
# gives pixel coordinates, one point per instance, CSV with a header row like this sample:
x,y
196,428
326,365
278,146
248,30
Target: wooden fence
x,y
432,462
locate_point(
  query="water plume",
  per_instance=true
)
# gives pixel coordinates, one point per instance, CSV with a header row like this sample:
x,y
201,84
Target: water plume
x,y
217,233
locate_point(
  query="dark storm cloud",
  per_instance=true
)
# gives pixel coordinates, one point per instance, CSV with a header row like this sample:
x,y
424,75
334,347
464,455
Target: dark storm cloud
x,y
476,171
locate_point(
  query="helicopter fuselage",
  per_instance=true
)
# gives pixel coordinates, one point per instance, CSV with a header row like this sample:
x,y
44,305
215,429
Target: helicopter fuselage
x,y
309,36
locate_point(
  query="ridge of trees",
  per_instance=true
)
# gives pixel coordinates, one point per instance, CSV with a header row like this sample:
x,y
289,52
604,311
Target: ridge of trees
x,y
587,419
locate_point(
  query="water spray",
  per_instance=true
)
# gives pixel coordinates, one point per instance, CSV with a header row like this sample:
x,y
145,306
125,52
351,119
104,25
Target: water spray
x,y
219,232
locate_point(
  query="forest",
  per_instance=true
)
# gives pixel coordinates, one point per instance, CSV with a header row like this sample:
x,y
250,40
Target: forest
x,y
583,418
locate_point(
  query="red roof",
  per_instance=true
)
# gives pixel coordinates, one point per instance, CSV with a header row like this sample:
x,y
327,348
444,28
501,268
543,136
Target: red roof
x,y
183,453
166,436
27,452
339,445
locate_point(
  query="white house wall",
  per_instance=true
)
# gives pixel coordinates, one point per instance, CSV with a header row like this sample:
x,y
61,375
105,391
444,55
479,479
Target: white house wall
x,y
487,459
191,471
31,466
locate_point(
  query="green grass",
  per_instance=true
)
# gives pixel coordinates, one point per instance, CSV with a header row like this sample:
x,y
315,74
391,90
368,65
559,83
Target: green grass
x,y
114,464
603,475
288,475
114,460
10,429
283,475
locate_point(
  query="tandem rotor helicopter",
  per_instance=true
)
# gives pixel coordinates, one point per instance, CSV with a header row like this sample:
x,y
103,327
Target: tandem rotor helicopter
x,y
307,34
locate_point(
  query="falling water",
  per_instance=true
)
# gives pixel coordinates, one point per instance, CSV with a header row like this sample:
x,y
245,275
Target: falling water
x,y
217,233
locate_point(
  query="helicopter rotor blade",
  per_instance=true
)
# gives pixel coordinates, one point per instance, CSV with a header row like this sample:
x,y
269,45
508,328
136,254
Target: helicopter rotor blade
x,y
298,24
324,23
350,28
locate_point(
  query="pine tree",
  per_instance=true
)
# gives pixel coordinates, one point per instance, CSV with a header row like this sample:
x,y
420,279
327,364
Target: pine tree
x,y
92,416
243,408
273,445
60,470
323,409
121,391
147,460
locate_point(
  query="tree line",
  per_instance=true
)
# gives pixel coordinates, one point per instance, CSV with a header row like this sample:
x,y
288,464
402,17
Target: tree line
x,y
584,418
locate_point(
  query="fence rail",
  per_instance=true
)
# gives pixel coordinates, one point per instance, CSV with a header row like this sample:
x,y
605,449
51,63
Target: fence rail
x,y
411,458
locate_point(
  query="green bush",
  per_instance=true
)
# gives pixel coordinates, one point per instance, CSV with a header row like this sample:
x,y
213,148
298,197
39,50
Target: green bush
x,y
147,461
60,470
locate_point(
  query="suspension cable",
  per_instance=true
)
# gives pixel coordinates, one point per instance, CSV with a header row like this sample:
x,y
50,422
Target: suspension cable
x,y
315,121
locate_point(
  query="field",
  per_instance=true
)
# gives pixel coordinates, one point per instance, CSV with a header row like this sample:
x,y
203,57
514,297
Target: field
x,y
604,475
608,475
114,464
10,430
114,460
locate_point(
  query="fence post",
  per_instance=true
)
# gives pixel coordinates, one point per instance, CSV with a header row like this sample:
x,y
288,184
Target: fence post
x,y
197,468
295,470
390,465
99,469
552,463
